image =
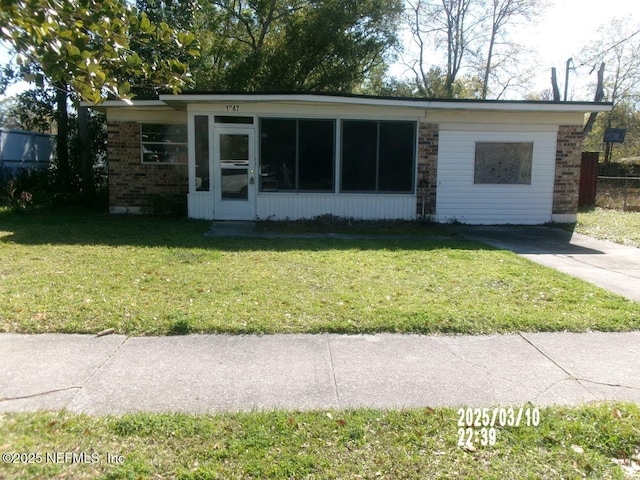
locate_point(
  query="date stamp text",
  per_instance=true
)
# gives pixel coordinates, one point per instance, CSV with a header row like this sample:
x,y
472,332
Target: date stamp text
x,y
480,426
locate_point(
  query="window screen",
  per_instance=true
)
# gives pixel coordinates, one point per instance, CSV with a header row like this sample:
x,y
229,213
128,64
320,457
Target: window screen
x,y
378,156
297,155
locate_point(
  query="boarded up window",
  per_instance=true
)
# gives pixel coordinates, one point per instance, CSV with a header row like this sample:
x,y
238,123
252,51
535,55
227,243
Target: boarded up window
x,y
503,163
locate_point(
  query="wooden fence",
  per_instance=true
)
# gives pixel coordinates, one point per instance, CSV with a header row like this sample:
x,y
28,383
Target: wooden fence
x,y
588,179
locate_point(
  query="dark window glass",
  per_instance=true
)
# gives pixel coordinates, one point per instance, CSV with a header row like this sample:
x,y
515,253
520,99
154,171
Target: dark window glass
x,y
277,154
359,155
316,149
202,153
378,156
230,119
396,159
296,155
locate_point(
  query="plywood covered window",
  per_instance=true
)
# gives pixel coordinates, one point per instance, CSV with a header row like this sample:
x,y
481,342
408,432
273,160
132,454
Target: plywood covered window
x,y
297,155
503,163
378,156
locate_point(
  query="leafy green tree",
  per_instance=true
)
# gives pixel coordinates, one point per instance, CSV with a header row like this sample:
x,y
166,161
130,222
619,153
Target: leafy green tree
x,y
294,45
30,110
87,47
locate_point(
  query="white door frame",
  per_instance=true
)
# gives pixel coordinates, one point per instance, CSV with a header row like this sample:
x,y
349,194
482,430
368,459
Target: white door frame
x,y
234,208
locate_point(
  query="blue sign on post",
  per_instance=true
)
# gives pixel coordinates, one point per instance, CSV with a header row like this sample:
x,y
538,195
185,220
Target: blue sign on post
x,y
614,135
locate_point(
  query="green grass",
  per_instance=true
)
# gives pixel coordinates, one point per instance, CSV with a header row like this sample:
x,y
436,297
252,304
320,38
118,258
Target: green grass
x,y
615,225
142,276
332,224
354,444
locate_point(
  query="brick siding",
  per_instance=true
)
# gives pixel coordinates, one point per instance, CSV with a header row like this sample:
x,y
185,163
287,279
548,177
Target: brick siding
x,y
568,162
427,167
133,184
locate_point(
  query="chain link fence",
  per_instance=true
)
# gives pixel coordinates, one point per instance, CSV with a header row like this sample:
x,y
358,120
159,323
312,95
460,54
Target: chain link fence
x,y
620,193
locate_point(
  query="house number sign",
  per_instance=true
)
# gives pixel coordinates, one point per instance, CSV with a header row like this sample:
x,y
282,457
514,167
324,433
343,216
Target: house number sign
x,y
233,108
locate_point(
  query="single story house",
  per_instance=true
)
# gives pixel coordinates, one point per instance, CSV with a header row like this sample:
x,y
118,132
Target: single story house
x,y
292,156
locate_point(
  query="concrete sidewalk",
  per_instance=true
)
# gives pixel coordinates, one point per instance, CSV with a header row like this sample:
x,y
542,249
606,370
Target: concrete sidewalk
x,y
210,373
606,264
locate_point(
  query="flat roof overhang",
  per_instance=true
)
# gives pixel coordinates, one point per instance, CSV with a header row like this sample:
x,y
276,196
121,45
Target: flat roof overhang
x,y
180,102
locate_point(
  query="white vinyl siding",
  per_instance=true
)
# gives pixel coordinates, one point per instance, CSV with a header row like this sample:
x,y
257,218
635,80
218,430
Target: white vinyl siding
x,y
459,199
283,206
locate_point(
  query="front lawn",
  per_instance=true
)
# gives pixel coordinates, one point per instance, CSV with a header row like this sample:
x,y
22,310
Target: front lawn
x,y
614,225
154,276
595,441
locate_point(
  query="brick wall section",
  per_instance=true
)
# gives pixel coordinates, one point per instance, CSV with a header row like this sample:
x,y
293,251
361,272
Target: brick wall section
x,y
568,162
427,167
132,183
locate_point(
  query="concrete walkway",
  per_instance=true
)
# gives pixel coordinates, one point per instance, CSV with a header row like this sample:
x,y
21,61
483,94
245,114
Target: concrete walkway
x,y
115,374
606,264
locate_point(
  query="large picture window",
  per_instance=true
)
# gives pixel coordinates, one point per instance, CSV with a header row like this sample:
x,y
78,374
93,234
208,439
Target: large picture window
x,y
297,155
503,163
378,156
162,143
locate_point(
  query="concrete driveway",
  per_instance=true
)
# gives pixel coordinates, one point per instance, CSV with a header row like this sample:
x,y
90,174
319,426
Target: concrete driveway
x,y
606,264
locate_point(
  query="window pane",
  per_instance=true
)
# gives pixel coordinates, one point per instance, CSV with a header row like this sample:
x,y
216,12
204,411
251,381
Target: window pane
x,y
316,149
234,148
158,153
359,150
163,143
396,156
202,153
234,184
164,133
229,119
503,163
277,154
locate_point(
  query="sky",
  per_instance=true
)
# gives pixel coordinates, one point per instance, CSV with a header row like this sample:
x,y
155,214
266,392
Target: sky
x,y
566,26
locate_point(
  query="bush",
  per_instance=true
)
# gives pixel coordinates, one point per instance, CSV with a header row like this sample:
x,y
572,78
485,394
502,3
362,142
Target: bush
x,y
166,206
40,188
28,188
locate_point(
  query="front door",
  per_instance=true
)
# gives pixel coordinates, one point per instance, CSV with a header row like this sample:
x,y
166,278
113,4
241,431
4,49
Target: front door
x,y
234,180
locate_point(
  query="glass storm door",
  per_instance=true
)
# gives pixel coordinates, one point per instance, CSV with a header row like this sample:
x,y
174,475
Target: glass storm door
x,y
235,174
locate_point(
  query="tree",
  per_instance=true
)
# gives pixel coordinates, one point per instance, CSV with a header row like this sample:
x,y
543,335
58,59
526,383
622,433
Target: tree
x,y
30,110
86,44
469,41
500,15
616,54
449,25
294,45
86,47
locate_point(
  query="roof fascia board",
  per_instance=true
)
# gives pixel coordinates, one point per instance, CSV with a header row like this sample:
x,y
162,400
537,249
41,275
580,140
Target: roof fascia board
x,y
125,104
583,107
